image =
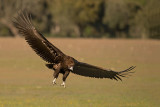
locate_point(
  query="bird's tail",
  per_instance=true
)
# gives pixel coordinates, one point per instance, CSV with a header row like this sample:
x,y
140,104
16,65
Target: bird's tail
x,y
50,66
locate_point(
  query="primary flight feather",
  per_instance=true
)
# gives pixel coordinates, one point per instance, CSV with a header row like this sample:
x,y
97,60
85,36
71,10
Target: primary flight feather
x,y
56,59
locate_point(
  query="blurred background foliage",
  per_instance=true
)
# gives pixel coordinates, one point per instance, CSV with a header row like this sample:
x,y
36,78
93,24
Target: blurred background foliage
x,y
86,18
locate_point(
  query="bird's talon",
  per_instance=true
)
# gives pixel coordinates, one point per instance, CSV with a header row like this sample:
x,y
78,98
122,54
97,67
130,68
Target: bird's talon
x,y
63,84
54,83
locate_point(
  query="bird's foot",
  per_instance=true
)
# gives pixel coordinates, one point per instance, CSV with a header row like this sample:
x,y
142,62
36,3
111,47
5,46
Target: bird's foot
x,y
63,84
54,82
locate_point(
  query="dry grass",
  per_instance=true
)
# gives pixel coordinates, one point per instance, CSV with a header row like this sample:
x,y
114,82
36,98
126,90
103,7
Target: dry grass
x,y
25,81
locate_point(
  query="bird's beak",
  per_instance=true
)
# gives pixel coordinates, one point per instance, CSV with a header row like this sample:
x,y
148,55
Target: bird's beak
x,y
71,68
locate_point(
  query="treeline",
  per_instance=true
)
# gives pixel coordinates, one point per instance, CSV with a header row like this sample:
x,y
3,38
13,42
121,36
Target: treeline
x,y
86,18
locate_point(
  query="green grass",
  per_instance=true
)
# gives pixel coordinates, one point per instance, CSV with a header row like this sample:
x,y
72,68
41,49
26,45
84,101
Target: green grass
x,y
25,81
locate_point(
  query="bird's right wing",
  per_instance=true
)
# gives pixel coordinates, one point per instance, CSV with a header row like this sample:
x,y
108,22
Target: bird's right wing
x,y
36,40
88,70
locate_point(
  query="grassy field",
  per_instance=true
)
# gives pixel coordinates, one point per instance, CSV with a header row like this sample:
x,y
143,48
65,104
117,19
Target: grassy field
x,y
25,81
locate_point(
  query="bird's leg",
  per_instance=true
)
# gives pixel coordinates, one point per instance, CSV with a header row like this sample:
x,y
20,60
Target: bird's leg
x,y
63,84
54,81
56,73
65,75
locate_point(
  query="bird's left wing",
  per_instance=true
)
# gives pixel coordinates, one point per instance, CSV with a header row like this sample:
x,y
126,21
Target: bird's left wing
x,y
87,70
36,40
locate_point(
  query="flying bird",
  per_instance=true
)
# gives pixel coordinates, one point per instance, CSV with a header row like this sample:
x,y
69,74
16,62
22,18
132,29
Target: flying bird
x,y
56,59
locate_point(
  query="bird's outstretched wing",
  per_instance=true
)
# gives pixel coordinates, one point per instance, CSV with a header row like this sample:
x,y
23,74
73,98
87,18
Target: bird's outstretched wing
x,y
96,72
36,40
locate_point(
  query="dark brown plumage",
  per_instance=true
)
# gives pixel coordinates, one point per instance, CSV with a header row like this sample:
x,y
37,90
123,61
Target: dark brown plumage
x,y
57,60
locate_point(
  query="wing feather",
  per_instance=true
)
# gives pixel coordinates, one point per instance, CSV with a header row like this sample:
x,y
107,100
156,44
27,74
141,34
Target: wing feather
x,y
36,40
87,70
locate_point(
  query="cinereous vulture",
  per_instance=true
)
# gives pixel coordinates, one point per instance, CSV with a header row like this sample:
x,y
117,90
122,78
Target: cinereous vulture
x,y
56,59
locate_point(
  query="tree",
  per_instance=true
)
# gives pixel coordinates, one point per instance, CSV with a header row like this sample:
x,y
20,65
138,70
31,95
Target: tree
x,y
73,16
117,17
87,13
147,20
9,9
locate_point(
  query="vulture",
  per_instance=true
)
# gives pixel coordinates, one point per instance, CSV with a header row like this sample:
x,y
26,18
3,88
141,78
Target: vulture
x,y
56,59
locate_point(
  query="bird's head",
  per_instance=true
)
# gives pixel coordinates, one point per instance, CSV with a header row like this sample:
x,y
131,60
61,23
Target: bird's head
x,y
70,63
